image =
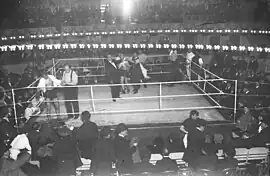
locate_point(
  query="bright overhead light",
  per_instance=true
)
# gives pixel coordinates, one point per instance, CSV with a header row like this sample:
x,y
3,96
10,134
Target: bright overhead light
x,y
127,7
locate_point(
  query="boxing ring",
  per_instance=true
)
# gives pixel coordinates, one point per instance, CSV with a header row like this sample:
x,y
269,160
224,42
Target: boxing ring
x,y
156,104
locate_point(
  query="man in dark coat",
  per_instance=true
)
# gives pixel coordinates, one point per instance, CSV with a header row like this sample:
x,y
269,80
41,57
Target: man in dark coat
x,y
136,73
113,76
123,150
104,154
87,135
144,165
194,128
65,153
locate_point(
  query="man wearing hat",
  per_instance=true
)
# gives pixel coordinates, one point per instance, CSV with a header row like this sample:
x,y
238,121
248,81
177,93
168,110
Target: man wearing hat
x,y
104,154
123,150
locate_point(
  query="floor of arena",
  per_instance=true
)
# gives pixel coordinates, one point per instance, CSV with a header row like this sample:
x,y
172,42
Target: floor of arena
x,y
138,118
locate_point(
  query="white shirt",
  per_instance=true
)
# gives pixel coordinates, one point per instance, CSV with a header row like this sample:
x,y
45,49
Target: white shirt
x,y
51,81
189,57
200,61
67,77
19,143
173,55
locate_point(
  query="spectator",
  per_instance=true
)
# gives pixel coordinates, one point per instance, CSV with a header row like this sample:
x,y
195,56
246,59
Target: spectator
x,y
123,150
87,135
246,121
104,154
65,153
229,161
144,165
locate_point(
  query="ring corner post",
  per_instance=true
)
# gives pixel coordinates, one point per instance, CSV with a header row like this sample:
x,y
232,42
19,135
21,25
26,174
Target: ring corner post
x,y
14,107
235,101
53,67
92,98
160,96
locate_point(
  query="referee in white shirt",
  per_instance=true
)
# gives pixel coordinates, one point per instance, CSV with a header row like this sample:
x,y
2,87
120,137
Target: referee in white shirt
x,y
70,78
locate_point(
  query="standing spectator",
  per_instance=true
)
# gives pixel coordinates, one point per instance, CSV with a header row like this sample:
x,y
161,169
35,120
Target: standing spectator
x,y
253,64
65,153
70,78
123,150
144,165
104,154
194,130
87,135
113,76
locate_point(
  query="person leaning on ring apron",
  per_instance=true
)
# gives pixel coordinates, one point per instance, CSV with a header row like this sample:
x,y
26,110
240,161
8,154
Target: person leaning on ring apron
x,y
70,78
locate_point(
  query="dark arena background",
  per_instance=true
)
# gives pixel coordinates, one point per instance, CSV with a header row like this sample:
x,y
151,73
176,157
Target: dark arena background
x,y
182,57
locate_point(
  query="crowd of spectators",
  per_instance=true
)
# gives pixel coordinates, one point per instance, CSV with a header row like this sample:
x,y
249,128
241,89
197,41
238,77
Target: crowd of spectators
x,y
59,150
252,119
33,14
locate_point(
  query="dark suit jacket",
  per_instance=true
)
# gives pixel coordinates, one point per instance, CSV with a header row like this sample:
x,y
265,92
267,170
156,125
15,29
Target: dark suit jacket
x,y
112,73
104,155
87,135
123,153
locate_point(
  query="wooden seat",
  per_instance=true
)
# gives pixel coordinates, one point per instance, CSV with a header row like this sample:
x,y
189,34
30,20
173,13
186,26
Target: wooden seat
x,y
178,157
241,155
258,153
86,165
155,157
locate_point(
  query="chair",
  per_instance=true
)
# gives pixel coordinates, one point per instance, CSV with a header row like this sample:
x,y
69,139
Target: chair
x,y
242,155
258,154
178,157
86,165
154,158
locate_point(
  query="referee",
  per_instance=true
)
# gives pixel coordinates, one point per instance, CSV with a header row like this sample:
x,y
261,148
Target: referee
x,y
70,78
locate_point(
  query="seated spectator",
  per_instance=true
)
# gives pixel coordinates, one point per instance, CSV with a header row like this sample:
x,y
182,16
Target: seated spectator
x,y
166,164
144,165
229,161
136,155
246,121
175,144
157,146
208,158
258,140
123,150
103,154
17,155
87,135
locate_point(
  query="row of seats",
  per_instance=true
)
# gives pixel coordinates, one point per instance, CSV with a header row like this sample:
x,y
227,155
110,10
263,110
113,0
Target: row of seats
x,y
243,155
